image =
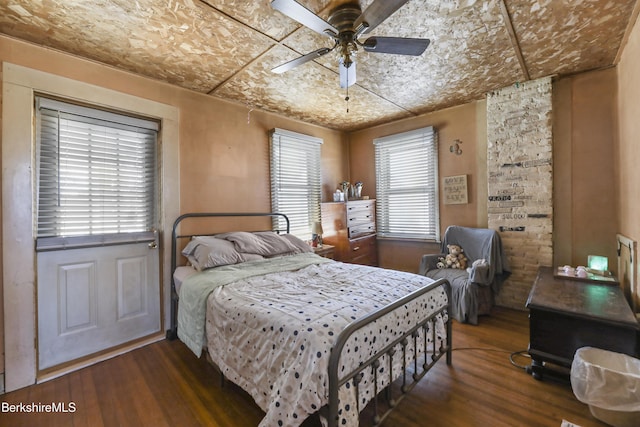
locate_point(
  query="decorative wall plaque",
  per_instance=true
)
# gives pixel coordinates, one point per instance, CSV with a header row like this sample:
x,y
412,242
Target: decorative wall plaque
x,y
454,189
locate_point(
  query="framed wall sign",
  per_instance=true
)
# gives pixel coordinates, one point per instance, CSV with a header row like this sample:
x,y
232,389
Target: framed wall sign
x,y
454,189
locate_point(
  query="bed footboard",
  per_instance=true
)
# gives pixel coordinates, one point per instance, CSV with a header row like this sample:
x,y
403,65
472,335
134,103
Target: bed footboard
x,y
418,344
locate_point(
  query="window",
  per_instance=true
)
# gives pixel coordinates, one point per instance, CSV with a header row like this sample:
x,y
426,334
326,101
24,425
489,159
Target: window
x,y
296,184
407,185
96,171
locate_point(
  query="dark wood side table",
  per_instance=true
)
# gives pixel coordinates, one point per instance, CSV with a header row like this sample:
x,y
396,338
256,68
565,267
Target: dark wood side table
x,y
327,251
566,314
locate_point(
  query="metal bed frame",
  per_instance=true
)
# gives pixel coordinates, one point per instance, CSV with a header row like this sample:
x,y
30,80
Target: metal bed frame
x,y
172,333
422,363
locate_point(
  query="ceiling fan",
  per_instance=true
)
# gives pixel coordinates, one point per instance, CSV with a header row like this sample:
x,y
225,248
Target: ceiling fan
x,y
346,23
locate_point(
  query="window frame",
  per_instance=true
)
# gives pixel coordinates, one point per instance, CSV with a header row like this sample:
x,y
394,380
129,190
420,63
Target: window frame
x,y
89,117
408,150
284,146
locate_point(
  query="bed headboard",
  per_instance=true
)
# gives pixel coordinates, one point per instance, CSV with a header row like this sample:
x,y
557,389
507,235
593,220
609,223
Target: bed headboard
x,y
175,255
176,237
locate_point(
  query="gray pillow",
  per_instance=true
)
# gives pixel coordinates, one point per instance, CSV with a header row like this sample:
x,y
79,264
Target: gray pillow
x,y
265,243
205,252
300,244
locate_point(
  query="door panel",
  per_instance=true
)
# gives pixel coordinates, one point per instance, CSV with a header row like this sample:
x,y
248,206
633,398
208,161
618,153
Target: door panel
x,y
77,297
104,297
132,295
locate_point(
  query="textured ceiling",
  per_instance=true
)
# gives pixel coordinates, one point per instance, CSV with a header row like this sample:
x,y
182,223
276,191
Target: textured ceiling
x,y
227,48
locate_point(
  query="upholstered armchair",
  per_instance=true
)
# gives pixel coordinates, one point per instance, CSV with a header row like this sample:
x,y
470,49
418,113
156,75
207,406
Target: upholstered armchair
x,y
473,290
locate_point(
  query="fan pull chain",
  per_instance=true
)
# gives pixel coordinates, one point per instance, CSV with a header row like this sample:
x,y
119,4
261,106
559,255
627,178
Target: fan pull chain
x,y
347,97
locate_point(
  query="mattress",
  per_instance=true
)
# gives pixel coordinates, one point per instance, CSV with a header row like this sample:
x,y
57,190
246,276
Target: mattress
x,y
181,274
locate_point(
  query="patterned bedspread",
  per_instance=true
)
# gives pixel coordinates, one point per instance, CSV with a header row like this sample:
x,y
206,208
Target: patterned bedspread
x,y
272,334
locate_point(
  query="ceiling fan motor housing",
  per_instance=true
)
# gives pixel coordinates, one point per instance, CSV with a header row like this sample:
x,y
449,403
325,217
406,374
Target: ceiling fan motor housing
x,y
343,19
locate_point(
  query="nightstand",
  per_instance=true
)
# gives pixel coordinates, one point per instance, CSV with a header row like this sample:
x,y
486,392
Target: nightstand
x,y
327,251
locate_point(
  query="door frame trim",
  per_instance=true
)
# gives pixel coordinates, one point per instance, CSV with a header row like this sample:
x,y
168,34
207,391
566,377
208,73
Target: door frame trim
x,y
19,268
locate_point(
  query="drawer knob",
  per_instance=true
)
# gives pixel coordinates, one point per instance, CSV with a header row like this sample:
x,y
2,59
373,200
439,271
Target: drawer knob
x,y
357,248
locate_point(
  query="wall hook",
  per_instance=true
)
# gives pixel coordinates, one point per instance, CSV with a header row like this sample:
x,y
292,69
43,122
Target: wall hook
x,y
455,147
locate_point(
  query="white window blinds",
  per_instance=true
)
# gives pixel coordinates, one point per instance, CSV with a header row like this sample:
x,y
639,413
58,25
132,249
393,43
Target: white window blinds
x,y
96,171
407,185
296,183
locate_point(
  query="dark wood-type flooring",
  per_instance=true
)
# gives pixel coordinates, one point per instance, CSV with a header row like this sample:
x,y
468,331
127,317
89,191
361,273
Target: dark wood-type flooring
x,y
163,384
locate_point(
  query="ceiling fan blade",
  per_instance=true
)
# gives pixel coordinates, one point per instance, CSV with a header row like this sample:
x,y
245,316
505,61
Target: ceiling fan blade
x,y
377,12
301,60
347,75
396,45
298,12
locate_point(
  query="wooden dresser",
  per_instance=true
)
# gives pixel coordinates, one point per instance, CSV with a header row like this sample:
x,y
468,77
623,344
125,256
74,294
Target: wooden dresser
x,y
351,228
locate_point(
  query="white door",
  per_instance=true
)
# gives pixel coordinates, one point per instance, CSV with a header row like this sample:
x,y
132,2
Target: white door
x,y
97,202
94,299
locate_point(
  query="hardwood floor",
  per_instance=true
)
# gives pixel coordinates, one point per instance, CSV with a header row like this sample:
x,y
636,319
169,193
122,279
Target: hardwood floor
x,y
163,384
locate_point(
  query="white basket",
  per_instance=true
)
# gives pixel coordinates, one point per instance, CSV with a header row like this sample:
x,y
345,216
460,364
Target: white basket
x,y
609,383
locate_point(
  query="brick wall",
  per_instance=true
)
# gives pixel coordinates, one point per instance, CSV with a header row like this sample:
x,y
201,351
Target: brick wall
x,y
520,181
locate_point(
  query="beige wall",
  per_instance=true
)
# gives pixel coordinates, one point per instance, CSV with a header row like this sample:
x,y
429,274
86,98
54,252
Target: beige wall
x,y
225,155
466,123
224,146
627,167
628,172
585,202
585,139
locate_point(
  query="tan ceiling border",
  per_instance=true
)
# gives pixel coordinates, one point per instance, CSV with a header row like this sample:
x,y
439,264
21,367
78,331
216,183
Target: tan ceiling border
x,y
627,31
275,43
267,37
514,39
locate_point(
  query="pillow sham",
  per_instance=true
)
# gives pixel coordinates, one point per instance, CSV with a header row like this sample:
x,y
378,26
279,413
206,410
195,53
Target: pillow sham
x,y
265,243
205,252
300,244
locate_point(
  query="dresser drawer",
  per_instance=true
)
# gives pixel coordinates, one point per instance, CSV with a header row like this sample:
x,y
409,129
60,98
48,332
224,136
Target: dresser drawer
x,y
363,251
355,205
361,213
362,230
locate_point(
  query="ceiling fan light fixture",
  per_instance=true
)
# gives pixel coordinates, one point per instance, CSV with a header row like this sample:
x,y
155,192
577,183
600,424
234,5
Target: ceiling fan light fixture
x,y
344,25
347,51
347,74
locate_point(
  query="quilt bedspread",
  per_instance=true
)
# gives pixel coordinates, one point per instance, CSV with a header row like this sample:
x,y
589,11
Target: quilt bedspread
x,y
197,287
272,334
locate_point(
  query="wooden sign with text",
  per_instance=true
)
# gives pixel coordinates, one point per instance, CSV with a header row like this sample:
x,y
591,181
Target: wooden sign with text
x,y
454,189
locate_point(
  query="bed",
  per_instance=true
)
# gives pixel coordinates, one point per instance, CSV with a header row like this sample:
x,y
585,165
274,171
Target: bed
x,y
300,333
